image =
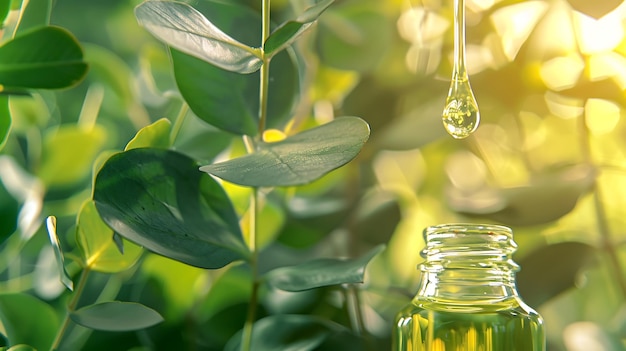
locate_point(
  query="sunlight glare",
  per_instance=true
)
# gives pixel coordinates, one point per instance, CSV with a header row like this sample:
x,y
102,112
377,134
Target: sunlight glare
x,y
608,65
601,116
514,24
562,72
598,35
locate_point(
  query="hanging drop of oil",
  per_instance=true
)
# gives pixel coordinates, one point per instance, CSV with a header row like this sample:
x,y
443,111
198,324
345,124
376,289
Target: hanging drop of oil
x,y
460,115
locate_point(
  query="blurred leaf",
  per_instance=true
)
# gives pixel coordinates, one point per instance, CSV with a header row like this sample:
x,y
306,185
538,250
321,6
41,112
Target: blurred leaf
x,y
35,14
44,58
186,29
5,7
64,277
378,214
231,288
105,67
270,220
596,9
156,135
95,240
321,272
5,120
69,152
548,197
20,347
592,335
193,136
299,159
9,209
289,31
288,333
550,270
28,320
116,316
354,37
28,112
229,101
159,200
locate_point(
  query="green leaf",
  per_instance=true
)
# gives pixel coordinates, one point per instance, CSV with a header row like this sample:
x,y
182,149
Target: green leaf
x,y
9,209
156,135
159,200
299,159
43,58
95,240
116,316
5,7
321,272
20,347
28,320
186,29
289,31
550,270
35,14
69,152
5,120
51,226
230,101
288,333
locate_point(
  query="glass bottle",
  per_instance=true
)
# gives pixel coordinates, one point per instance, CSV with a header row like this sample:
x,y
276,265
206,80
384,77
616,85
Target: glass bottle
x,y
467,298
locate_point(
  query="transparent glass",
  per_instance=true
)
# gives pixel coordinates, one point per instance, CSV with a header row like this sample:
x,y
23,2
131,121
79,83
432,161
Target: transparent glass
x,y
467,299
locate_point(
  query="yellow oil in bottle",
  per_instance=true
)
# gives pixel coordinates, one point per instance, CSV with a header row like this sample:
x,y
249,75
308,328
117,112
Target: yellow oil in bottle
x,y
460,115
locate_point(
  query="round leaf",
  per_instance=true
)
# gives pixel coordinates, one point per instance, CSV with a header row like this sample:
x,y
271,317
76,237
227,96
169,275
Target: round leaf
x,y
116,316
28,320
159,200
299,159
186,29
321,272
95,240
44,58
155,135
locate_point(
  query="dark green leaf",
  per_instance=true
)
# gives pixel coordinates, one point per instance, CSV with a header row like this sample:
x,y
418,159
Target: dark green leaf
x,y
321,272
51,226
116,316
288,333
28,320
288,32
596,9
5,120
44,58
21,347
186,29
159,200
230,101
298,159
551,270
9,209
155,135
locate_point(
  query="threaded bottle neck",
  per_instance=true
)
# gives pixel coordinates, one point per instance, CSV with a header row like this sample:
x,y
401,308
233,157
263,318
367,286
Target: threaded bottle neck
x,y
468,264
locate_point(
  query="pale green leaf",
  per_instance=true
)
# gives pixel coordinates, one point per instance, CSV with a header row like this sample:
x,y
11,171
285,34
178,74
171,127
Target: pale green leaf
x,y
51,225
28,320
116,316
155,135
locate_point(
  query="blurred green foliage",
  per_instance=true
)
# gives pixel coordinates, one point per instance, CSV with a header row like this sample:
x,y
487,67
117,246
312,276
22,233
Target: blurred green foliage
x,y
548,160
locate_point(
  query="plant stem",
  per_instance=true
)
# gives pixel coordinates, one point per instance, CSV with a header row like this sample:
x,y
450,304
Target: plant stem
x,y
70,308
246,342
178,123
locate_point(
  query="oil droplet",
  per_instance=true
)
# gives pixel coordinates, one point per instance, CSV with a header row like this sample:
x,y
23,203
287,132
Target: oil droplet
x,y
460,115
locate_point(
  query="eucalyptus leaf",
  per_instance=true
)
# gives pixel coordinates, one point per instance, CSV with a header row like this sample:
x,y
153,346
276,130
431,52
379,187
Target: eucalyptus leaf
x,y
289,31
550,270
5,120
298,159
28,320
43,58
9,209
116,316
51,225
63,163
321,272
159,200
182,27
35,14
155,135
96,241
288,333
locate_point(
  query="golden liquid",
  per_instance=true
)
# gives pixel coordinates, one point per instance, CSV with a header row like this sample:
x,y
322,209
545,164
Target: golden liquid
x,y
486,329
460,115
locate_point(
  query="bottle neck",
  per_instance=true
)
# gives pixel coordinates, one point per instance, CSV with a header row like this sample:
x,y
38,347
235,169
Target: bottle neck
x,y
468,264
